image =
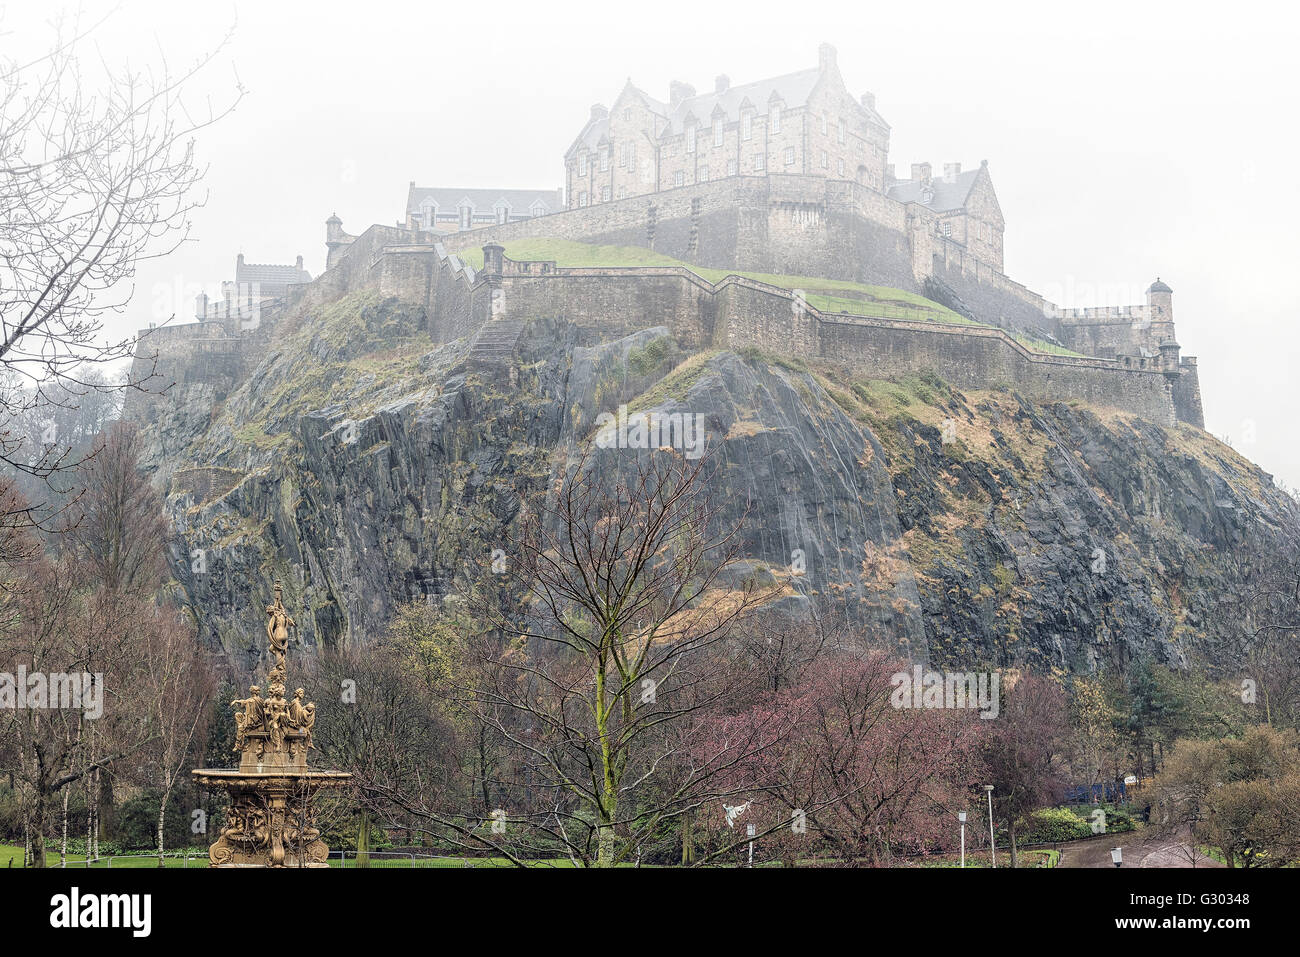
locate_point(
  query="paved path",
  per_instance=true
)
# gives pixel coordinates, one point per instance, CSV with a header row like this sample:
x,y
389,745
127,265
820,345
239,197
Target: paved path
x,y
1155,851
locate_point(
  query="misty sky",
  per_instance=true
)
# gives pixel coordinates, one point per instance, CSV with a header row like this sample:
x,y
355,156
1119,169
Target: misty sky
x,y
1125,141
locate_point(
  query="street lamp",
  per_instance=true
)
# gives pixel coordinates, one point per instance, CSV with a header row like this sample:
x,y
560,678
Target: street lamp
x,y
993,841
749,832
1117,855
961,816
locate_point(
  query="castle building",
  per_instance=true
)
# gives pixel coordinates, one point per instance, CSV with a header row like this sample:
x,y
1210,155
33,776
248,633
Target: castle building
x,y
448,210
965,206
805,123
254,284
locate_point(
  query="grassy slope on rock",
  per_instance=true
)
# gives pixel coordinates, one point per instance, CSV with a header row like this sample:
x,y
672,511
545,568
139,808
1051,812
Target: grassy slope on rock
x,y
828,295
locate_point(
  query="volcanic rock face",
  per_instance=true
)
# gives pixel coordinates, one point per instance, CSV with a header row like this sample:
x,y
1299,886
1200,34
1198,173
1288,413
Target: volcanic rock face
x,y
367,468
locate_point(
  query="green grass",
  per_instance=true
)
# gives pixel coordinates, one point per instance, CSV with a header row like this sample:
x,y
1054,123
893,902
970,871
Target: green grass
x,y
11,856
1040,345
827,295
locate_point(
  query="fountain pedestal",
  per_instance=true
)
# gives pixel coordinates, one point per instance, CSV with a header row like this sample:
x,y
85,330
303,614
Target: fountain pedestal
x,y
271,821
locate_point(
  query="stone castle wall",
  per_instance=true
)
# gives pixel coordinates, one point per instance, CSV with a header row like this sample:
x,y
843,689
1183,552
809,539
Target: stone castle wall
x,y
737,313
788,224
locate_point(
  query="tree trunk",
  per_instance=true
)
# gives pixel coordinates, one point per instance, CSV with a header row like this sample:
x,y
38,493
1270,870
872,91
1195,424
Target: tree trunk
x,y
363,841
162,814
1015,861
688,840
63,844
40,824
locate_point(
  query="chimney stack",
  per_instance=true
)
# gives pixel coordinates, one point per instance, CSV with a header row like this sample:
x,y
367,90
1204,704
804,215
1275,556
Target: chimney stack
x,y
598,111
679,91
951,171
722,83
921,173
826,57
299,264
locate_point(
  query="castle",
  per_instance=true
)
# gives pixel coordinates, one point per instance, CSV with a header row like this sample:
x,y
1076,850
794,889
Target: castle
x,y
787,176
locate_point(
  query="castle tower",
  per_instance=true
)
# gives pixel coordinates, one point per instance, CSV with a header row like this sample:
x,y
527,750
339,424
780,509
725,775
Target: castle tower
x,y
1160,302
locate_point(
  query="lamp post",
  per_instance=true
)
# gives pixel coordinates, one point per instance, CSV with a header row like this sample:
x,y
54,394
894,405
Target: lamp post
x,y
1117,856
993,841
961,816
749,833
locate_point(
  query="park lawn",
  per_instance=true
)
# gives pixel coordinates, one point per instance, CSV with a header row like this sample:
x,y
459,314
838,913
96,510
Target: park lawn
x,y
11,856
827,295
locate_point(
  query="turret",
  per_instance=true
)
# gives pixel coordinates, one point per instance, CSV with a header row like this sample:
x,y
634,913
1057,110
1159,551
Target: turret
x,y
1160,302
335,239
1169,355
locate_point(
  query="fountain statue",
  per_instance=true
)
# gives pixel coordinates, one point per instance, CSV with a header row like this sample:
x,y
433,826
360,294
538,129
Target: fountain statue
x,y
271,822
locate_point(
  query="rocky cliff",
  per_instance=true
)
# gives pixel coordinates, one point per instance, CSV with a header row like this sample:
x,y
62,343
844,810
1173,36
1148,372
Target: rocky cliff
x,y
368,467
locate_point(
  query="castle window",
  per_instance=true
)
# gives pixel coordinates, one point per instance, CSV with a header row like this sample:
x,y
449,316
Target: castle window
x,y
622,192
731,166
839,130
823,123
747,126
582,199
604,194
582,164
718,129
604,158
826,160
627,114
679,178
788,156
503,213
760,162
703,175
466,216
775,118
840,164
690,138
947,229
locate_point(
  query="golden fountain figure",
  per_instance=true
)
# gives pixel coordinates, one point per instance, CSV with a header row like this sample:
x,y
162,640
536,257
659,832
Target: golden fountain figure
x,y
271,822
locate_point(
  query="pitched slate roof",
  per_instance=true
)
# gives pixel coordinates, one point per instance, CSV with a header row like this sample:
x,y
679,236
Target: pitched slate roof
x,y
944,196
270,273
448,198
792,89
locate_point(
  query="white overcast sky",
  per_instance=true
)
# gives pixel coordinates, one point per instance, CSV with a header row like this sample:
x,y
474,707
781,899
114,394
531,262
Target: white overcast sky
x,y
1125,140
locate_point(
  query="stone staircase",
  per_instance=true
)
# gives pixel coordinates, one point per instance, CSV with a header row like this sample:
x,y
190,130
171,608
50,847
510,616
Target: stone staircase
x,y
495,342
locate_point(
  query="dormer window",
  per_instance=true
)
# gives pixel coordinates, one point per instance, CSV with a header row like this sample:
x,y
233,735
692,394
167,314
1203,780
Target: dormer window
x,y
502,211
718,129
690,137
604,158
747,125
775,118
466,215
582,164
840,131
537,209
429,214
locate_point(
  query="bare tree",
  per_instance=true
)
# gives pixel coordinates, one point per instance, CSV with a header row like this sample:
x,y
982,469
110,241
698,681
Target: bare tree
x,y
97,173
120,526
177,684
609,665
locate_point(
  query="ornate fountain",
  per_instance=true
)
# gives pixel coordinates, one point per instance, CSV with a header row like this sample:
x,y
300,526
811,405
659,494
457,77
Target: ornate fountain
x,y
271,821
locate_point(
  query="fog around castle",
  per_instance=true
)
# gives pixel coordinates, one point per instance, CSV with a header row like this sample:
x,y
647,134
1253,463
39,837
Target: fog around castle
x,y
1125,144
